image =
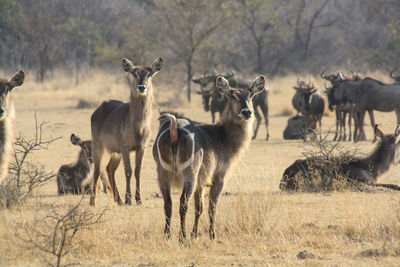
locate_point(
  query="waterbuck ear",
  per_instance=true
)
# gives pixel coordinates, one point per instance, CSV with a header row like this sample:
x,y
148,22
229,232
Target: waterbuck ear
x,y
378,132
258,85
75,140
127,65
157,65
397,134
17,79
222,85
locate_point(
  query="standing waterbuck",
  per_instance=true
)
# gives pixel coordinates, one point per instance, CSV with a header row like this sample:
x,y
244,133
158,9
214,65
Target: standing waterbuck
x,y
194,156
75,178
121,127
218,101
7,115
320,173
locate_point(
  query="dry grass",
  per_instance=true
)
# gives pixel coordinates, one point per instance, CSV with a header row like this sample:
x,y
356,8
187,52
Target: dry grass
x,y
256,224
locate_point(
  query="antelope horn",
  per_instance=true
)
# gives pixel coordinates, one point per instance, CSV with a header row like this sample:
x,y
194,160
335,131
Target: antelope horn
x,y
391,74
341,76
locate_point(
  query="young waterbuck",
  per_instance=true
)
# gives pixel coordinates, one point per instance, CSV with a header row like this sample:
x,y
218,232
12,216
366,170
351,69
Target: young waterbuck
x,y
304,174
7,115
194,156
121,127
75,178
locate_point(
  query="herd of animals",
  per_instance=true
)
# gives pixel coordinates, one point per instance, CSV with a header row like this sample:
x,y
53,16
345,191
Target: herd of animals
x,y
193,155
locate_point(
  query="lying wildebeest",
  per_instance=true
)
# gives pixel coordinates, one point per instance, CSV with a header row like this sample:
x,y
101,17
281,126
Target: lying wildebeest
x,y
76,178
196,156
218,101
321,173
309,102
298,127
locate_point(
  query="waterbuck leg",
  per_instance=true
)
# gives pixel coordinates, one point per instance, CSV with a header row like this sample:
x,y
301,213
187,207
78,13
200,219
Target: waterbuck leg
x,y
138,166
165,188
264,110
372,119
215,192
97,154
198,202
187,192
112,166
128,175
258,119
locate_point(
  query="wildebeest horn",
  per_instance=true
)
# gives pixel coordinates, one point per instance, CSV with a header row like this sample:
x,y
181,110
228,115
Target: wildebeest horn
x,y
341,76
394,77
323,75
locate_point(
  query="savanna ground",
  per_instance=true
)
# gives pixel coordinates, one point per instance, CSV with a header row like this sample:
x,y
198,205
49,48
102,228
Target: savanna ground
x,y
256,223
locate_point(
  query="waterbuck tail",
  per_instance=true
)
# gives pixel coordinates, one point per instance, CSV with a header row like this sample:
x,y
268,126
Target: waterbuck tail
x,y
173,128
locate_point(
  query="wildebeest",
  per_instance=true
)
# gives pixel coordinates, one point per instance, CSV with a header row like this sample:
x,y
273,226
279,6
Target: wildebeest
x,y
75,178
218,101
368,95
316,173
7,114
343,106
309,102
298,127
121,127
195,156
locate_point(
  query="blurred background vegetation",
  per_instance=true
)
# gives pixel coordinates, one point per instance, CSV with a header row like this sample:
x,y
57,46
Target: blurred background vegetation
x,y
271,37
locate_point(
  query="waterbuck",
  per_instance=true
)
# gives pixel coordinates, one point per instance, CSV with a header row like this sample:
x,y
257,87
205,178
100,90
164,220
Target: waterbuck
x,y
7,114
194,156
309,102
121,127
75,178
305,173
218,101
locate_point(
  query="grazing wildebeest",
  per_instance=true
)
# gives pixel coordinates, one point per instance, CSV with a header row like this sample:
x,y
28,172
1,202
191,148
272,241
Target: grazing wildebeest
x,y
195,156
7,114
75,178
395,78
121,127
218,101
309,102
304,174
298,127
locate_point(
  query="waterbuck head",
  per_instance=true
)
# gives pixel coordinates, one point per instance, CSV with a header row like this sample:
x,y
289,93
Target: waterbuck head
x,y
390,145
240,105
141,84
86,148
6,87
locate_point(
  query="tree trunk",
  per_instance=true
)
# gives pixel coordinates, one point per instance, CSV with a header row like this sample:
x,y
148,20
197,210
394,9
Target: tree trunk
x,y
189,79
259,57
